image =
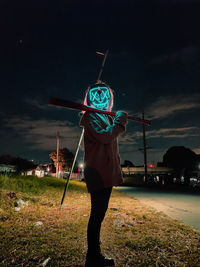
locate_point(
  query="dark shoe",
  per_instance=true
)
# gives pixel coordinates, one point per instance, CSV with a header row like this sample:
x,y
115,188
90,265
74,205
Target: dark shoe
x,y
98,261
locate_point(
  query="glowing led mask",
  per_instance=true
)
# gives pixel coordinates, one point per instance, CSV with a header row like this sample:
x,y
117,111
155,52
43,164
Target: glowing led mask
x,y
99,97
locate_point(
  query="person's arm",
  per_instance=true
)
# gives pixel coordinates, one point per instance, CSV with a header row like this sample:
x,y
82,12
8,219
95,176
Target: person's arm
x,y
111,132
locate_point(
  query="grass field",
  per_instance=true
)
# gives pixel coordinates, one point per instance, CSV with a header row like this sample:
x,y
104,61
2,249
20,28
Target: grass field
x,y
133,234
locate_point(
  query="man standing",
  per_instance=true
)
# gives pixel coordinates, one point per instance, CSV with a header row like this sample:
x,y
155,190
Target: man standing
x,y
102,164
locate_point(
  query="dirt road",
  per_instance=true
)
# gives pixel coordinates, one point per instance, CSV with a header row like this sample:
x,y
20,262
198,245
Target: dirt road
x,y
182,206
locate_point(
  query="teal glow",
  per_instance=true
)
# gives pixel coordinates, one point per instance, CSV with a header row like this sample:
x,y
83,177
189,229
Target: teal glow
x,y
99,97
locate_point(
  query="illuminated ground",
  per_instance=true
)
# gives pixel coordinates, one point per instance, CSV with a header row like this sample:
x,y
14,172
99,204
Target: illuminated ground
x,y
132,233
182,206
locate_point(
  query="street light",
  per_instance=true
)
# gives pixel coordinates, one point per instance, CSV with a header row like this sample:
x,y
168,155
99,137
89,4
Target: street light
x,y
81,165
199,165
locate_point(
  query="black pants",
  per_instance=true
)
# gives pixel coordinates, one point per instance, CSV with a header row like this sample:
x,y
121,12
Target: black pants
x,y
99,206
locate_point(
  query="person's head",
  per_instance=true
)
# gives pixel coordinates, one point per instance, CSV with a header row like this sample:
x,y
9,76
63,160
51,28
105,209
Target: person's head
x,y
99,96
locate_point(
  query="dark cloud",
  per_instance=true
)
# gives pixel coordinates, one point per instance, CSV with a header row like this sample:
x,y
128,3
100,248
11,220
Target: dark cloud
x,y
172,105
41,134
174,132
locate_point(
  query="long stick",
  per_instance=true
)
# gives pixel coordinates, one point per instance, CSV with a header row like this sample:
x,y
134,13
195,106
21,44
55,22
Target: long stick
x,y
72,168
145,148
78,106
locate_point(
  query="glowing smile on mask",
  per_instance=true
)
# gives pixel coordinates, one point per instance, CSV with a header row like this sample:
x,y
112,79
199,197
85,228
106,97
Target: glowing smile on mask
x,y
99,97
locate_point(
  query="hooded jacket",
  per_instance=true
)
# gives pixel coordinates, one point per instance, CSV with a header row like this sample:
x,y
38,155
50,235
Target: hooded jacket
x,y
102,161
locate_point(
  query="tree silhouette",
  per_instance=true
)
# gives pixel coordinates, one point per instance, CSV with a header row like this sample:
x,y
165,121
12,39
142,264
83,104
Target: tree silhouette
x,y
128,163
19,163
65,159
179,157
182,160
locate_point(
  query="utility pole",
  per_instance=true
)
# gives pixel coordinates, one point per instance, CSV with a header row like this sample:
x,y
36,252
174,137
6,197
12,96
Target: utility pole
x,y
57,154
145,148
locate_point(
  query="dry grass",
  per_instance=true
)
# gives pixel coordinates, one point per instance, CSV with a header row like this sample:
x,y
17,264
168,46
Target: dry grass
x,y
133,234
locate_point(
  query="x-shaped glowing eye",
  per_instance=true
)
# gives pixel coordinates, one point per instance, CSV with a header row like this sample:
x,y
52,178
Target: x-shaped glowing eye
x,y
99,94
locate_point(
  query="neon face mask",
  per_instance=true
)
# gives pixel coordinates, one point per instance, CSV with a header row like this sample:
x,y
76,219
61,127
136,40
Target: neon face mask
x,y
99,97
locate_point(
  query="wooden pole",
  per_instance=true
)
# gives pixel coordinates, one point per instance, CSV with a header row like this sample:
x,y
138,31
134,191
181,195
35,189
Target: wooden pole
x,y
145,148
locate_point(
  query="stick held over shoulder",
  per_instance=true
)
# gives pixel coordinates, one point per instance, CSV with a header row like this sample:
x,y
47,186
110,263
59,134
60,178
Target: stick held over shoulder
x,y
78,106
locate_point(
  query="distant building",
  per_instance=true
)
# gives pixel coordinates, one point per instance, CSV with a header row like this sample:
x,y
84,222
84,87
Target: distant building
x,y
150,170
158,175
7,169
41,170
30,172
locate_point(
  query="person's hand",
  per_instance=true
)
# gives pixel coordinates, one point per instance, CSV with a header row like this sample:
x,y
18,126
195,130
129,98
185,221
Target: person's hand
x,y
121,117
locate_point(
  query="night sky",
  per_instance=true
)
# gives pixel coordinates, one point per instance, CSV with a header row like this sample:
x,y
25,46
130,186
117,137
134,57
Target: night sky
x,y
48,48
